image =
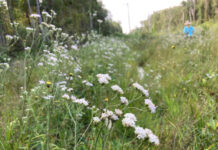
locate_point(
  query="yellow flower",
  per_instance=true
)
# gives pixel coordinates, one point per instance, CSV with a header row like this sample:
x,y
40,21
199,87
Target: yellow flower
x,y
70,74
217,125
173,46
184,89
48,83
203,81
106,99
36,97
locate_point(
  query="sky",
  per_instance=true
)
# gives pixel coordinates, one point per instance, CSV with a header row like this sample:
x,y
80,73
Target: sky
x,y
139,10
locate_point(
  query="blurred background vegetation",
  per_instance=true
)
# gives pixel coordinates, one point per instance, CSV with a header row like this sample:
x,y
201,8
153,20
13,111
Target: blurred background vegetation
x,y
82,16
197,11
74,16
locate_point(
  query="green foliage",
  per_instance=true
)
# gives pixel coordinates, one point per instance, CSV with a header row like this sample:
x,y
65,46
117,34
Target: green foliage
x,y
172,18
180,74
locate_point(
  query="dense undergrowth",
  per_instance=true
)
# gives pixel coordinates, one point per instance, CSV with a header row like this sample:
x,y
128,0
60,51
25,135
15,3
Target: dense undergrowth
x,y
139,92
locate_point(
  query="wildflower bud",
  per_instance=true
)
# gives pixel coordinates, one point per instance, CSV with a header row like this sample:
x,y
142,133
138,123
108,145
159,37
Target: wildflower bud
x,y
106,99
9,38
28,49
173,47
48,84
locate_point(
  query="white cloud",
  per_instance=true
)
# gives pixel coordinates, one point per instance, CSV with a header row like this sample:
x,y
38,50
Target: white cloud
x,y
139,10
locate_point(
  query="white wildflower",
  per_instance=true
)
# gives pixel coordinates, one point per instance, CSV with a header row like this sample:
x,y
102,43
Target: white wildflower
x,y
53,13
29,29
66,96
9,37
48,97
114,117
40,64
141,88
35,16
117,88
124,100
107,114
27,49
103,78
96,120
131,116
46,14
141,133
99,20
104,115
118,112
151,106
73,98
127,122
41,82
81,101
153,139
74,47
87,83
70,90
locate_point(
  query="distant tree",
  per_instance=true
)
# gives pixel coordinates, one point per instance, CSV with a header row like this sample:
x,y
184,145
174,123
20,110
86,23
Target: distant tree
x,y
38,10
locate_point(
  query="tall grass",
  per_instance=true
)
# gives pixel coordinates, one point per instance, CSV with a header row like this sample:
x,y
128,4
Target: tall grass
x,y
52,97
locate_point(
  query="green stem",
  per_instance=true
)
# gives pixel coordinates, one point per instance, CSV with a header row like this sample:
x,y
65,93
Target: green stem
x,y
123,139
75,143
98,136
85,131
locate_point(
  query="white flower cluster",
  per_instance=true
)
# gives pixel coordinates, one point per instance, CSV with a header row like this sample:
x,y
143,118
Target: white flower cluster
x,y
141,133
9,37
141,88
124,100
51,27
103,78
29,29
46,14
35,16
87,83
62,85
144,133
211,75
151,106
51,58
66,96
80,101
74,47
3,3
129,120
118,112
4,67
108,114
48,97
117,88
96,120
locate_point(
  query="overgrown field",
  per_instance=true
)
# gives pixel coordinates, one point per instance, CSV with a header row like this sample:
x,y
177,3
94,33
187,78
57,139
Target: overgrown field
x,y
138,92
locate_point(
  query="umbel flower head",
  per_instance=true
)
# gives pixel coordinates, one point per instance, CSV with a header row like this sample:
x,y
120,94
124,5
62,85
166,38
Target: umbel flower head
x,y
103,78
117,88
151,106
129,120
96,120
